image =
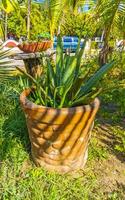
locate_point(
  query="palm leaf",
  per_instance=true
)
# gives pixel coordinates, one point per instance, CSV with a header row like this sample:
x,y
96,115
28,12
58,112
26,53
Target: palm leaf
x,y
7,66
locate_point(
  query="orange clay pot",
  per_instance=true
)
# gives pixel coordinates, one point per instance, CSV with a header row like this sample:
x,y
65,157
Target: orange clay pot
x,y
35,46
59,137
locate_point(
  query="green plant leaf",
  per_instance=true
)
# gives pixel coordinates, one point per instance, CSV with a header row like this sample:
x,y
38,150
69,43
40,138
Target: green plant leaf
x,y
94,79
88,98
70,69
59,60
50,74
79,57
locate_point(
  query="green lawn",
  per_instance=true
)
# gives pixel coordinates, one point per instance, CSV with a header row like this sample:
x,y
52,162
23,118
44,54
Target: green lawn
x,y
20,179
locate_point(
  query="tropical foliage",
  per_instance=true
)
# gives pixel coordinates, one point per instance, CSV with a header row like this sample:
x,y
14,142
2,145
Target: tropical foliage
x,y
39,22
6,7
78,25
104,17
9,5
58,9
111,16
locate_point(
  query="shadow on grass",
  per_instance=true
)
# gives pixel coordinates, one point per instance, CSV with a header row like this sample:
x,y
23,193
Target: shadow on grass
x,y
14,135
110,131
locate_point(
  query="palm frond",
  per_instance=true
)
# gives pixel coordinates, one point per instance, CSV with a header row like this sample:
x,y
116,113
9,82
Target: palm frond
x,y
7,66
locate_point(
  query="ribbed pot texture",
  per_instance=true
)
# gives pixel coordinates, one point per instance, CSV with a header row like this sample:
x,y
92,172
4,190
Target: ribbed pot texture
x,y
59,137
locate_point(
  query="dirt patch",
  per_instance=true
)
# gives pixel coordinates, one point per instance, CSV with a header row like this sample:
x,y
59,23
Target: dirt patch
x,y
110,172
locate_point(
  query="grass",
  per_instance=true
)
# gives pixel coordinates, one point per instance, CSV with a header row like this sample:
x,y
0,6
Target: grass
x,y
20,179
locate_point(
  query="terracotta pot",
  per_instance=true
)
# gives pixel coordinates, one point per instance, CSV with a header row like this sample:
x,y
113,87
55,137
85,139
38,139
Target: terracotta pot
x,y
59,137
35,46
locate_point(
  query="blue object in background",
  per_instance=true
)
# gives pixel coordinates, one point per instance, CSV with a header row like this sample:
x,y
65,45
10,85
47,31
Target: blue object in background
x,y
38,1
68,43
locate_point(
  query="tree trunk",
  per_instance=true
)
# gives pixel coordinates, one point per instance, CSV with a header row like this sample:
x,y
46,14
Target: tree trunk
x,y
103,56
28,19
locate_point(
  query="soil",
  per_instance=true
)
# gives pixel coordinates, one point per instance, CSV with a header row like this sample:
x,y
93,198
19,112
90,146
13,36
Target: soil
x,y
110,172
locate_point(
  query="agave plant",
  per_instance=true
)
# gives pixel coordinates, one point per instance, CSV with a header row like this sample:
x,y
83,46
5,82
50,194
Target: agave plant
x,y
62,84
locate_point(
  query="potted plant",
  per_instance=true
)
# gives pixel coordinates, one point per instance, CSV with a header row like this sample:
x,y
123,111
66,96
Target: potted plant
x,y
42,43
60,108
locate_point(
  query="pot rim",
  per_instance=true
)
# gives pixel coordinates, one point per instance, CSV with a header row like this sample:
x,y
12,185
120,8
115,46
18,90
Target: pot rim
x,y
29,104
34,42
